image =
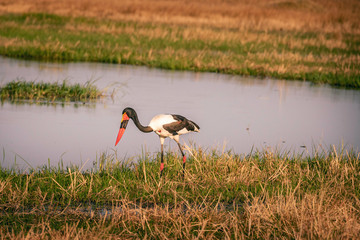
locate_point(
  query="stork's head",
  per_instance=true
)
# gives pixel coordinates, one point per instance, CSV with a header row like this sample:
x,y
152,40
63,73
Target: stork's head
x,y
126,115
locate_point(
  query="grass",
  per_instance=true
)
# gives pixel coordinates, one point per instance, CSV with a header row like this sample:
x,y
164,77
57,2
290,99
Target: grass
x,y
16,91
265,195
316,41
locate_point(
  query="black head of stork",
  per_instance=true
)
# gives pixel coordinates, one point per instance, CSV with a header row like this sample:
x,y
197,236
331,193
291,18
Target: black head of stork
x,y
164,125
127,114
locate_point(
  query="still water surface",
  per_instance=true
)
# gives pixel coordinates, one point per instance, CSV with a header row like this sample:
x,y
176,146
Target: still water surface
x,y
234,113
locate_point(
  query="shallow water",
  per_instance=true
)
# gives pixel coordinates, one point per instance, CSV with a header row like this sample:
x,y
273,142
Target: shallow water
x,y
234,113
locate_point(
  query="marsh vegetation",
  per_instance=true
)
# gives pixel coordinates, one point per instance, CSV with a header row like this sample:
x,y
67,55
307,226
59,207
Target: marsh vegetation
x,y
16,91
263,195
317,41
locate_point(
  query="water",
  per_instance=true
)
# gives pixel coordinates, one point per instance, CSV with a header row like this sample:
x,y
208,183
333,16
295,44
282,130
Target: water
x,y
234,113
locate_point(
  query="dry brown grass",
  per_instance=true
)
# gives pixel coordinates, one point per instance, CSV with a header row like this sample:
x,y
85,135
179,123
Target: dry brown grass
x,y
300,15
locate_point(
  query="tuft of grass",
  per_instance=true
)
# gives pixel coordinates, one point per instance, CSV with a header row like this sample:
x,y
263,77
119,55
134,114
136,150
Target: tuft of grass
x,y
265,195
50,92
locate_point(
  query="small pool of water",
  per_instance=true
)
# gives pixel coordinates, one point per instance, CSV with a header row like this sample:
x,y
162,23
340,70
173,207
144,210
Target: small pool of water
x,y
235,113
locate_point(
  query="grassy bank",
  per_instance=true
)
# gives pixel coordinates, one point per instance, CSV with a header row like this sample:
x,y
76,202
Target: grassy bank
x,y
317,41
263,196
49,92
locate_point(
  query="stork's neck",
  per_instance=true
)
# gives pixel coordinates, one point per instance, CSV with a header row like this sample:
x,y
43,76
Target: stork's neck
x,y
142,128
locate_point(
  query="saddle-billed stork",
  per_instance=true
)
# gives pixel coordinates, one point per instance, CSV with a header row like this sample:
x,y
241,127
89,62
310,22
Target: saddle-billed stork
x,y
164,125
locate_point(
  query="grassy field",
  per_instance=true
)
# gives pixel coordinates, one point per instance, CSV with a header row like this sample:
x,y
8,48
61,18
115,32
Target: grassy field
x,y
317,41
263,196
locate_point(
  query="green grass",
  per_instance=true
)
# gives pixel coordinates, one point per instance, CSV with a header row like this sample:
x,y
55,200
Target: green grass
x,y
313,56
265,195
16,91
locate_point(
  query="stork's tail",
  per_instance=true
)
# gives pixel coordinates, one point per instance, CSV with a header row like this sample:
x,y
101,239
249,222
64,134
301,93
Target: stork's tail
x,y
195,126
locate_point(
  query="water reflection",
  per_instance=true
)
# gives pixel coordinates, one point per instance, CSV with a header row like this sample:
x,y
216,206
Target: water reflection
x,y
240,112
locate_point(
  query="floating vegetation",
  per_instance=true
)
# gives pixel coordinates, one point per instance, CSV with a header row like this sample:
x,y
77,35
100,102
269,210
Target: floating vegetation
x,y
49,92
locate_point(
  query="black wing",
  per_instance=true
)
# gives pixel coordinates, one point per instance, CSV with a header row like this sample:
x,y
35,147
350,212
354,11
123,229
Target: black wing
x,y
190,125
181,122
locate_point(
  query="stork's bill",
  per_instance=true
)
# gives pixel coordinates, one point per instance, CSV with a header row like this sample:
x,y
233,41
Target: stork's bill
x,y
123,124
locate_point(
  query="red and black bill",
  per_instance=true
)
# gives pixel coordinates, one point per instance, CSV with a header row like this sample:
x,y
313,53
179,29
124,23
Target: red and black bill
x,y
124,122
